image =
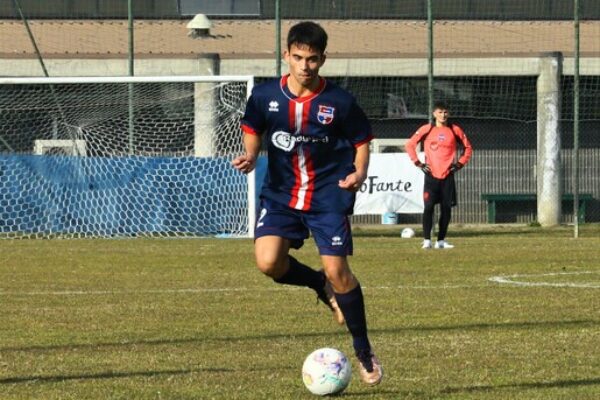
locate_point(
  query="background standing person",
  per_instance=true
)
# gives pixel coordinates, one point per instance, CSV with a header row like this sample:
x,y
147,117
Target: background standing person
x,y
318,155
440,141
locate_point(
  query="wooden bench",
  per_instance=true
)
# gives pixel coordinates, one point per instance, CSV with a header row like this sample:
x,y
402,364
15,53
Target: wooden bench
x,y
494,198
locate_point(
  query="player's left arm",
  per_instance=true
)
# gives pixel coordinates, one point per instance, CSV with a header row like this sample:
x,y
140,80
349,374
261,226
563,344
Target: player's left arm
x,y
467,149
353,181
357,128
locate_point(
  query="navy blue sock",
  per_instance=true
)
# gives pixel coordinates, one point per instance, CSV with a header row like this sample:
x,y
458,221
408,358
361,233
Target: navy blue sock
x,y
299,274
352,305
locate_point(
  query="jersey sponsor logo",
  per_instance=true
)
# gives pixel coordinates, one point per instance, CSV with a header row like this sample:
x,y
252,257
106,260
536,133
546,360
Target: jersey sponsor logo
x,y
283,140
336,241
325,114
287,142
273,106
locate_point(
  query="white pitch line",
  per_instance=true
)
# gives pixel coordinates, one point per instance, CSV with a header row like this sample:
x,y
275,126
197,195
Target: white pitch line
x,y
510,280
501,279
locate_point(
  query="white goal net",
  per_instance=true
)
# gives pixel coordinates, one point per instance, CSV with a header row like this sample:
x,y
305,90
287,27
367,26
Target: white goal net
x,y
118,157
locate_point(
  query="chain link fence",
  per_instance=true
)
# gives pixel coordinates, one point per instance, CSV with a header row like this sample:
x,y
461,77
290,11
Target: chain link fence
x,y
485,65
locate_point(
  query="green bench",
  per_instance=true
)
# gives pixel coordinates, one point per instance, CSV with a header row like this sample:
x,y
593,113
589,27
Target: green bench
x,y
494,198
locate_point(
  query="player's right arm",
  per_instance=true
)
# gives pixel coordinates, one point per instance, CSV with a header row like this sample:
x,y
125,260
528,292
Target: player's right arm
x,y
411,147
247,162
252,124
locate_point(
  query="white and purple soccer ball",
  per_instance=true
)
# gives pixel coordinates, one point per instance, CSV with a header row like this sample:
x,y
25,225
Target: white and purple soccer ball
x,y
326,371
407,233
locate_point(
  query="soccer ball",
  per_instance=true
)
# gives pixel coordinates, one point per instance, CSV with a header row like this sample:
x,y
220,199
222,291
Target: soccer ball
x,y
407,233
326,371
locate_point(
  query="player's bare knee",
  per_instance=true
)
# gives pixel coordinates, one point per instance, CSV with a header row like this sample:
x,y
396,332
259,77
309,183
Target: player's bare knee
x,y
272,267
342,280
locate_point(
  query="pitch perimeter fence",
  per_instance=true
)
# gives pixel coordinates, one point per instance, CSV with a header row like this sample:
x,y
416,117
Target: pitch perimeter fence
x,y
483,58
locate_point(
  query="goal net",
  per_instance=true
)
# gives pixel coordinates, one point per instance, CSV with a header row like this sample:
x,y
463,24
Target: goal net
x,y
117,157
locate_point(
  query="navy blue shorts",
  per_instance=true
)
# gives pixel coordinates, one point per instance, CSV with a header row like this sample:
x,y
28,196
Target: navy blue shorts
x,y
331,231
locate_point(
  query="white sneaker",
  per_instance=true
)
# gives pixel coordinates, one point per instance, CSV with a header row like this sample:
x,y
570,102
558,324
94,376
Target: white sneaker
x,y
426,244
442,244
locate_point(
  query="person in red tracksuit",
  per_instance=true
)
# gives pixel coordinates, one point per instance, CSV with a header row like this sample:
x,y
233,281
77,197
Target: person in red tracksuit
x,y
440,141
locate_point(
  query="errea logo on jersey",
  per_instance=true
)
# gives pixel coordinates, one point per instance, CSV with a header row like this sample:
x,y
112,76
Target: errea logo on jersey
x,y
336,241
273,106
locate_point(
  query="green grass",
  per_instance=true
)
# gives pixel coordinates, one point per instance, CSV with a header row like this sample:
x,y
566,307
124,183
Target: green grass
x,y
193,319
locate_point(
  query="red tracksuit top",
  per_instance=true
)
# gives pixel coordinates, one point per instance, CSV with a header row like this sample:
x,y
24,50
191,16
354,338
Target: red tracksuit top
x,y
440,145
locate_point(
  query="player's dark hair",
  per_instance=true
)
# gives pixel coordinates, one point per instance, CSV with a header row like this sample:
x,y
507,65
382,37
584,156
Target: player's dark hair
x,y
440,105
309,34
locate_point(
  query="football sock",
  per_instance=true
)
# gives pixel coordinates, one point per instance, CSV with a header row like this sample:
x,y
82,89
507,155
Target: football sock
x,y
427,221
445,214
299,274
352,305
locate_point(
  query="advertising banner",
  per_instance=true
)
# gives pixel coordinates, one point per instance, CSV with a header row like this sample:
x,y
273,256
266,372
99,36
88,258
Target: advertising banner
x,y
393,184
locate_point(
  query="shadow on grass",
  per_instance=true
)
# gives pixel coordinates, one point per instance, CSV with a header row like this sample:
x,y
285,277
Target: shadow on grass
x,y
107,375
501,326
563,383
287,335
396,394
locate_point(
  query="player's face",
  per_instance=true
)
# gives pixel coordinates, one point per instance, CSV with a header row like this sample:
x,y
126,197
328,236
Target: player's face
x,y
441,115
304,64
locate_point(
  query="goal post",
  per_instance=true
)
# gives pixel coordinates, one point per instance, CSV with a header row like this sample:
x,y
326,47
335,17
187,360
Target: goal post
x,y
124,156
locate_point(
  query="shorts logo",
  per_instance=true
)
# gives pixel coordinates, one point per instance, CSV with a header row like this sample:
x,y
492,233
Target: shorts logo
x,y
260,223
273,106
336,241
325,114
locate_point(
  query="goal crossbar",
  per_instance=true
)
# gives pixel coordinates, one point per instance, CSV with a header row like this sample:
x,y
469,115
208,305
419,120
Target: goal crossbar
x,y
128,79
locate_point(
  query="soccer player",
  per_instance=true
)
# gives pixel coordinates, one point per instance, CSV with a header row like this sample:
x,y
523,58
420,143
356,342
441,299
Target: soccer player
x,y
318,153
440,141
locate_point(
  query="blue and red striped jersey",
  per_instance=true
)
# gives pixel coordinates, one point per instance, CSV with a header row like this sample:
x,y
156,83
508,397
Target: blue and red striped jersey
x,y
311,141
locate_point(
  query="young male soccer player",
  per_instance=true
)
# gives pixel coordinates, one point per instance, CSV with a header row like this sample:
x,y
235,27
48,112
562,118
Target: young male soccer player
x,y
318,154
440,141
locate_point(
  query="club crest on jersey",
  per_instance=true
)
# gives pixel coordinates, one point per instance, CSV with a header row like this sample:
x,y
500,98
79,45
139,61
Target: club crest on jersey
x,y
325,114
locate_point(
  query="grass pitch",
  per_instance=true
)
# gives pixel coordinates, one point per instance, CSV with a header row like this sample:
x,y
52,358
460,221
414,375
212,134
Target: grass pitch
x,y
510,313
